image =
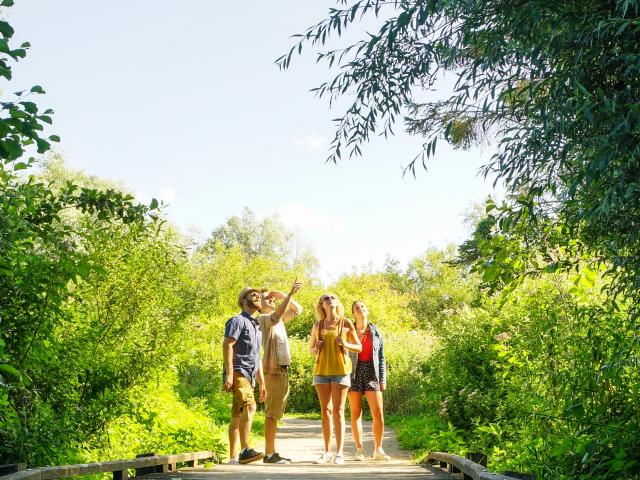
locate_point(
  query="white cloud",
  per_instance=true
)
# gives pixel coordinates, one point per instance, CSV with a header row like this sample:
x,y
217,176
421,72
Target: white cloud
x,y
167,195
311,141
307,218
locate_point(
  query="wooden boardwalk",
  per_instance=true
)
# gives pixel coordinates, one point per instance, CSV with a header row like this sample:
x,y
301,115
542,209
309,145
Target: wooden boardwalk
x,y
301,440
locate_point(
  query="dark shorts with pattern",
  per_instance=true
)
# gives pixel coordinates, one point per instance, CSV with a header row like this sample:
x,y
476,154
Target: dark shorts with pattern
x,y
365,379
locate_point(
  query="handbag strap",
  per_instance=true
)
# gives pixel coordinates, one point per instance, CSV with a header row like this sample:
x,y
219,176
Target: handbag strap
x,y
319,338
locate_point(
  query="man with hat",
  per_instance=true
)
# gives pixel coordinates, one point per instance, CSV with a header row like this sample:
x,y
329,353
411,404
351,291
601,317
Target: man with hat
x,y
241,355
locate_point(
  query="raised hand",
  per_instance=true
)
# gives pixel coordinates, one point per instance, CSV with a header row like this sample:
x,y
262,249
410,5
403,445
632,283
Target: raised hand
x,y
295,287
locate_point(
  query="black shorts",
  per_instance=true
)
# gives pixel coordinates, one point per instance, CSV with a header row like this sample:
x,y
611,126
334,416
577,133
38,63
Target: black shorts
x,y
364,379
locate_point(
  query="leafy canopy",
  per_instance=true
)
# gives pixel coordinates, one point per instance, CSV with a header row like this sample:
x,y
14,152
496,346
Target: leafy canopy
x,y
555,82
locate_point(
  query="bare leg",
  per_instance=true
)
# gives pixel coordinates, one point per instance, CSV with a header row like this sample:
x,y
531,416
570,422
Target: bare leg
x,y
377,413
270,428
234,437
245,424
339,398
324,395
355,405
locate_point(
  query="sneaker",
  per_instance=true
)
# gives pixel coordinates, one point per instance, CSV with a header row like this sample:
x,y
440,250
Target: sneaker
x,y
359,455
233,461
338,459
249,455
380,455
324,458
276,458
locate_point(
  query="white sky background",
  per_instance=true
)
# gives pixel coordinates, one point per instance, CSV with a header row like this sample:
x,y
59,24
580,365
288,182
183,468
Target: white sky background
x,y
182,101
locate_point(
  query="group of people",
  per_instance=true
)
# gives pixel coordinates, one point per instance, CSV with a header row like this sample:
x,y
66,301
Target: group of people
x,y
350,363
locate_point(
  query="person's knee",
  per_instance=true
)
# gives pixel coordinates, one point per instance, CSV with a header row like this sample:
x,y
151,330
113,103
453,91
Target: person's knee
x,y
355,410
271,420
327,411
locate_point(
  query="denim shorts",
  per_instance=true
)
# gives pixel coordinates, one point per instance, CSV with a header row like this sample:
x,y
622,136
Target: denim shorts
x,y
328,379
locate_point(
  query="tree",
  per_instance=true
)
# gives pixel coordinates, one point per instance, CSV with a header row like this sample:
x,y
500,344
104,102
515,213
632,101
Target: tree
x,y
440,289
267,238
555,82
43,258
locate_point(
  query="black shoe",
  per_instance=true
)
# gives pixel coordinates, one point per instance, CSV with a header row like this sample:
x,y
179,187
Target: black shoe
x,y
276,458
249,455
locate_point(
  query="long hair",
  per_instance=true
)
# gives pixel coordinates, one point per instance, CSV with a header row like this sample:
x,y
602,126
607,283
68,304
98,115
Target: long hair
x,y
321,315
354,304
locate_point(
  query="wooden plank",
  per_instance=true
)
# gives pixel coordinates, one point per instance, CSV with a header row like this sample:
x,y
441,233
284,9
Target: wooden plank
x,y
467,467
29,474
120,468
51,473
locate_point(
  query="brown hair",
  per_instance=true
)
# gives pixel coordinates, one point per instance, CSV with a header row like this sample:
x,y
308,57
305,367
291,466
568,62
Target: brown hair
x,y
354,304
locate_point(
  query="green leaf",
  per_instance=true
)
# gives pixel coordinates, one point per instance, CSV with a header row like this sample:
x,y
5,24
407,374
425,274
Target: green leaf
x,y
6,3
84,269
8,369
30,107
37,89
154,204
54,138
18,53
5,72
43,145
20,166
6,30
7,271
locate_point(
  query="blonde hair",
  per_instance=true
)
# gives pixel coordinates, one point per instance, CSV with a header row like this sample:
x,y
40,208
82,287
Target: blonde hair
x,y
321,315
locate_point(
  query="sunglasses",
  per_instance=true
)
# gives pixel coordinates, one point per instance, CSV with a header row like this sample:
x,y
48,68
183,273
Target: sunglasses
x,y
326,298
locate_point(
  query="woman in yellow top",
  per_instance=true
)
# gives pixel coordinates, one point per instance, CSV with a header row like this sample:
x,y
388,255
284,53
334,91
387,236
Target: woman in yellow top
x,y
332,337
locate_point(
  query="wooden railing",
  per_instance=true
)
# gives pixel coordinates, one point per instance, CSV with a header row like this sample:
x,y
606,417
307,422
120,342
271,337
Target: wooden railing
x,y
470,470
119,468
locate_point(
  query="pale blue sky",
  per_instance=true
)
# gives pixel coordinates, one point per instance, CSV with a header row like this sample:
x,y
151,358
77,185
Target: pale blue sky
x,y
182,101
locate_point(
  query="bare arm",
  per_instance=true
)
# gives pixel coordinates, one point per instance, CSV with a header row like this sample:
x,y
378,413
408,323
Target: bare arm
x,y
294,310
227,354
314,343
354,345
261,386
284,305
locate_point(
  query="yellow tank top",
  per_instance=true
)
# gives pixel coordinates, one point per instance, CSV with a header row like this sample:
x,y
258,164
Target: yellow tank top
x,y
332,360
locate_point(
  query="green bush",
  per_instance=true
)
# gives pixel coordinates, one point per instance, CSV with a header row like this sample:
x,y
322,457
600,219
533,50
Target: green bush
x,y
158,421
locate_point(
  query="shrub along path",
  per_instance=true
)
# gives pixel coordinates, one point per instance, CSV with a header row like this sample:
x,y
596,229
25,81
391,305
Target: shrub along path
x,y
301,440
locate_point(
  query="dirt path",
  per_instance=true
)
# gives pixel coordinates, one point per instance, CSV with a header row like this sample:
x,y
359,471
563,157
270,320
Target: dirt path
x,y
301,440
